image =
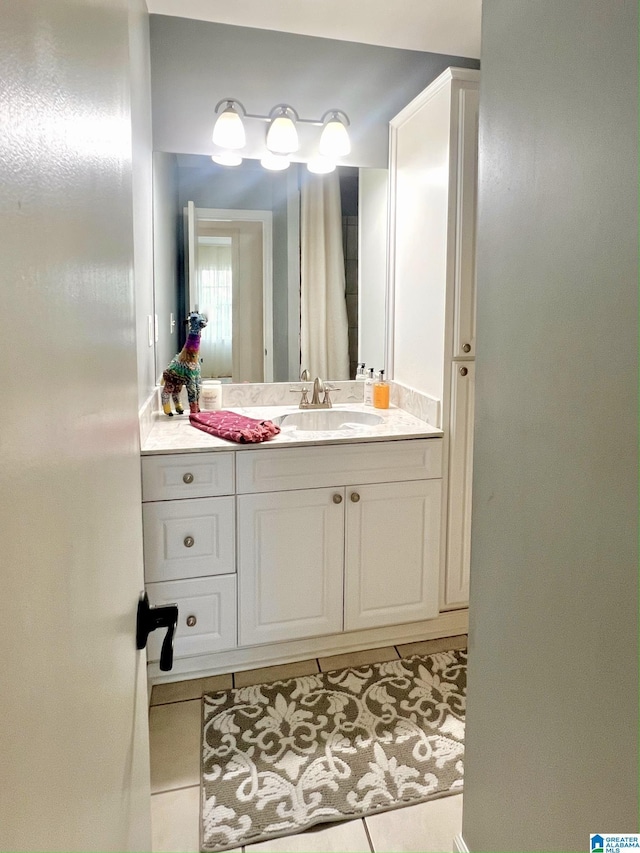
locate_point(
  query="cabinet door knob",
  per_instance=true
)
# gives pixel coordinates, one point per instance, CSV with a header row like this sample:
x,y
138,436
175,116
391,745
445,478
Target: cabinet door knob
x,y
355,497
466,348
191,621
463,371
337,499
187,478
189,541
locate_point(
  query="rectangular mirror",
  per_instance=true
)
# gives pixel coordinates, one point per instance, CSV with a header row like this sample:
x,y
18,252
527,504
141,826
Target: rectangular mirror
x,y
229,239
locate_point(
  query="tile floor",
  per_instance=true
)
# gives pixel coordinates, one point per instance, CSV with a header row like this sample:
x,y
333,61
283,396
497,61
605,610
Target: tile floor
x,y
174,721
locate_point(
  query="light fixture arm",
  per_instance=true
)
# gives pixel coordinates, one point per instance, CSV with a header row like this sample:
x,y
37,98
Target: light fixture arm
x,y
230,102
344,118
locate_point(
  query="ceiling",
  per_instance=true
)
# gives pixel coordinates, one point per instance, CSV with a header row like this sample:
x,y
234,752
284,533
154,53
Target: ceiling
x,y
439,26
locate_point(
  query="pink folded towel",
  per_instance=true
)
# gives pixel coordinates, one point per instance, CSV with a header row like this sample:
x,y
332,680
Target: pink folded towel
x,y
234,427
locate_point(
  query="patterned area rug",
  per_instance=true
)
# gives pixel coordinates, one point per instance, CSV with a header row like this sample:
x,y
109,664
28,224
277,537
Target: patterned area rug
x,y
281,757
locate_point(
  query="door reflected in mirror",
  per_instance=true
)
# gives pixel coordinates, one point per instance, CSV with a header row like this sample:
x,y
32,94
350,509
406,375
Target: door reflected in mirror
x,y
229,240
230,279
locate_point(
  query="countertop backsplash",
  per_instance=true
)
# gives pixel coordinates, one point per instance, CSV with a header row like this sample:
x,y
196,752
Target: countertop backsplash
x,y
416,403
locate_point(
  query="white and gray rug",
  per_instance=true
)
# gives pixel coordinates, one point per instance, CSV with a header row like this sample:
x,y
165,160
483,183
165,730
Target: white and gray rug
x,y
281,757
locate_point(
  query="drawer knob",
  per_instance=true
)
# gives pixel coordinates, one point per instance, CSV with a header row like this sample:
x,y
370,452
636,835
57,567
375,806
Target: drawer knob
x,y
191,621
463,371
187,478
355,497
189,541
337,499
466,348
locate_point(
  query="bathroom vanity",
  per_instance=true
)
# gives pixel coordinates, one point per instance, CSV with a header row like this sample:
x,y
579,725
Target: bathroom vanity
x,y
309,544
320,542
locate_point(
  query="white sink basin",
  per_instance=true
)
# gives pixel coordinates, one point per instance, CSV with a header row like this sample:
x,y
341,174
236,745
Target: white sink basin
x,y
327,420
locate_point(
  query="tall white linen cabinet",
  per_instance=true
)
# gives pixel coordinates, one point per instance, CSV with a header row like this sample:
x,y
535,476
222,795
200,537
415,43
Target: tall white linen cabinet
x,y
433,157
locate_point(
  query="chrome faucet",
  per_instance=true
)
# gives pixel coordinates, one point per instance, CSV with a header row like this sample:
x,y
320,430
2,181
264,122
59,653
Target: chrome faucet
x,y
318,388
320,398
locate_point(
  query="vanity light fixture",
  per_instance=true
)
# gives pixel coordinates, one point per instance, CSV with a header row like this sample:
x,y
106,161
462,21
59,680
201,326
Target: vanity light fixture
x,y
274,162
321,165
282,134
227,158
228,131
334,141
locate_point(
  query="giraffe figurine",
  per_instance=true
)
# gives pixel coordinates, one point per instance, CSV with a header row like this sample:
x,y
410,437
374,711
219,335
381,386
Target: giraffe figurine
x,y
184,369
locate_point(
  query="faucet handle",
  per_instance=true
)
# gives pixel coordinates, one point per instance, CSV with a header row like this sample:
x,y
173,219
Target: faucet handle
x,y
304,399
327,399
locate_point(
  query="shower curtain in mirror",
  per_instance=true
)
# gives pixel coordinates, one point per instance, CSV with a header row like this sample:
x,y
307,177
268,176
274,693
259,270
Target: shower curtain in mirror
x,y
324,331
215,285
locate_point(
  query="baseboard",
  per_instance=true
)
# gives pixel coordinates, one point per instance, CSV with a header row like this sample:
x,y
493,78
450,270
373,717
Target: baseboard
x,y
447,624
459,845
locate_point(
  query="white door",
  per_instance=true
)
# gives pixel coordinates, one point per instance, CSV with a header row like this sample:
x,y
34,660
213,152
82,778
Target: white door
x,y
290,559
392,553
73,702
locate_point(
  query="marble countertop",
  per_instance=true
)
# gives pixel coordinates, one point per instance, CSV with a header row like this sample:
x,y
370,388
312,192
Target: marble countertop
x,y
176,435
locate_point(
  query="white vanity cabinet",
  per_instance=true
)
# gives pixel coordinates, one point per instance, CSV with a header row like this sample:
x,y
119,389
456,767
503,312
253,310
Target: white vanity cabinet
x,y
273,553
188,517
360,552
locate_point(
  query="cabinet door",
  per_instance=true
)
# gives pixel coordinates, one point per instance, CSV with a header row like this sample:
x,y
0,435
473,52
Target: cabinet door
x,y
290,564
464,334
458,547
392,553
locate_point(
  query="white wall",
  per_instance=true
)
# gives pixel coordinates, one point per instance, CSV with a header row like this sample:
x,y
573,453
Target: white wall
x,y
142,192
373,187
552,720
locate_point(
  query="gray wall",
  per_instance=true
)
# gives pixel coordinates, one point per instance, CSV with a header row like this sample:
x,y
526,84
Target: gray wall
x,y
552,727
195,63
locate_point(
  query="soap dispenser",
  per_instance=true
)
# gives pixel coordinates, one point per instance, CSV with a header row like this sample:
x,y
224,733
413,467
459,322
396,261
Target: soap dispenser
x,y
368,388
381,392
361,373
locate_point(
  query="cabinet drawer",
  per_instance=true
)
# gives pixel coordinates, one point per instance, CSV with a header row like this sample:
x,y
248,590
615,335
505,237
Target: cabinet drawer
x,y
338,465
187,475
189,539
210,606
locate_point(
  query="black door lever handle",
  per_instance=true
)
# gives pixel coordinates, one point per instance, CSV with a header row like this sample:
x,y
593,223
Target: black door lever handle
x,y
149,618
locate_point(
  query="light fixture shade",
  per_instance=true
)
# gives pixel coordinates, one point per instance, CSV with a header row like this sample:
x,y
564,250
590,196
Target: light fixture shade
x,y
227,158
228,131
274,162
334,141
282,136
321,165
